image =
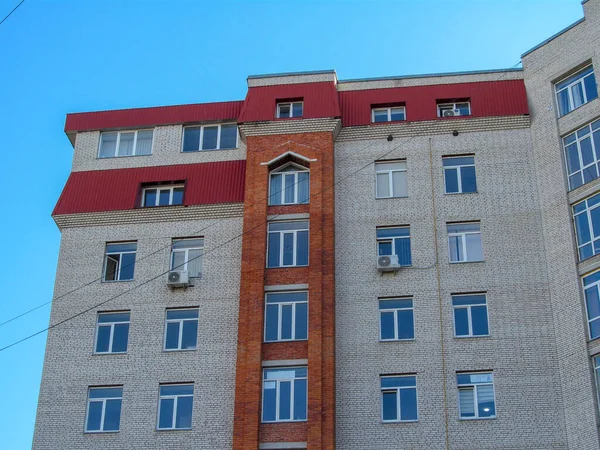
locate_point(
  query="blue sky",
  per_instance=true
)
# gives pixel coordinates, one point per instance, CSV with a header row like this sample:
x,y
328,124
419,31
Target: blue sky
x,y
84,55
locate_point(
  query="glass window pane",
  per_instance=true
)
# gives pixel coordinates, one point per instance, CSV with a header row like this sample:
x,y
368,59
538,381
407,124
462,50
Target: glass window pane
x,y
577,93
563,102
113,317
288,249
178,261
190,334
485,401
290,185
385,166
408,404
184,412
300,399
110,392
150,197
301,320
127,266
284,110
112,415
272,320
576,180
191,139
269,401
593,302
126,144
396,303
389,405
400,185
112,267
462,300
177,389
275,189
397,113
297,109
468,179
461,321
474,251
228,136
120,337
480,320
177,196
384,247
455,248
303,187
285,399
387,325
164,197
182,314
587,153
595,329
405,381
572,158
591,90
144,142
194,266
273,256
403,251
380,115
302,251
466,402
209,139
188,243
165,419
383,185
590,173
451,178
108,145
406,327
288,226
286,321
393,232
102,339
94,416
172,339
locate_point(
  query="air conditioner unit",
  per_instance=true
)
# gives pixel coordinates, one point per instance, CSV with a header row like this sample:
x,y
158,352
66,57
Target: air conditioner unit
x,y
388,263
178,278
451,112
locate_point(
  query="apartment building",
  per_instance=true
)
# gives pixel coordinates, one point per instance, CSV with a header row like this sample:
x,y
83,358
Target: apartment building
x,y
405,262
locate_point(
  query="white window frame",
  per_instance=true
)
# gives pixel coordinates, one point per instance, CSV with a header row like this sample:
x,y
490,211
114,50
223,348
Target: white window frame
x,y
295,241
585,287
281,193
390,173
280,104
186,251
103,401
445,106
180,322
458,172
107,253
392,240
159,188
135,137
277,394
175,402
397,391
582,167
279,314
469,315
210,125
474,388
395,311
389,113
464,242
596,363
570,89
112,331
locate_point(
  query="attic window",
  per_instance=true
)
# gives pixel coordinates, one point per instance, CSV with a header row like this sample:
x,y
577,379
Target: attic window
x,y
452,108
287,109
162,195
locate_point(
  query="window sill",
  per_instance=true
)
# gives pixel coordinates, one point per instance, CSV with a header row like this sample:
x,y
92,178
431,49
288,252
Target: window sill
x,y
101,432
178,350
462,116
173,429
473,337
123,156
477,418
460,193
289,118
384,422
159,206
286,267
209,150
387,198
285,421
285,341
397,340
467,262
117,281
388,122
108,353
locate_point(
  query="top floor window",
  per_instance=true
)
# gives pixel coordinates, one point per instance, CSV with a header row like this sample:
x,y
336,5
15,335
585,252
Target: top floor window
x,y
119,261
125,143
582,154
454,109
391,114
576,90
210,137
289,109
162,195
289,185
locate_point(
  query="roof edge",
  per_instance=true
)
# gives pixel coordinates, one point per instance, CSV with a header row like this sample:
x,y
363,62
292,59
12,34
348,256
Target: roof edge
x,y
554,36
428,75
288,74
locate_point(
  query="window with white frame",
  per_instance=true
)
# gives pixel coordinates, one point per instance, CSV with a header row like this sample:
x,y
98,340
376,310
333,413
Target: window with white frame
x,y
391,179
391,114
286,316
476,395
119,261
289,109
586,216
187,255
289,185
164,195
285,394
181,329
459,174
210,137
175,406
399,398
582,154
464,242
112,332
470,315
449,109
591,289
395,241
597,375
396,319
576,90
125,143
104,409
287,244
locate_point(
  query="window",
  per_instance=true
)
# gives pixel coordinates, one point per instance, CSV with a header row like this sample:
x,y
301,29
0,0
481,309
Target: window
x,y
289,185
187,255
464,242
391,114
576,90
181,329
125,143
104,409
396,319
288,244
454,109
459,174
399,398
175,406
586,215
119,261
395,241
470,315
597,375
582,154
591,288
210,137
289,109
285,394
112,332
286,316
162,195
391,179
476,395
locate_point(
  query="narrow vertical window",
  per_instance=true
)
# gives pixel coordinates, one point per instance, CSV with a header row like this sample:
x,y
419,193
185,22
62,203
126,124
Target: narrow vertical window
x,y
399,398
395,241
582,154
119,261
459,174
187,255
464,242
470,315
596,361
591,289
576,90
104,409
286,316
396,319
476,395
181,329
287,244
285,394
391,179
175,406
112,332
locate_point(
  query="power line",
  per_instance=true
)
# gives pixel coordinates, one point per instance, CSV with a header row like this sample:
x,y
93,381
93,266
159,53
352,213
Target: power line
x,y
10,13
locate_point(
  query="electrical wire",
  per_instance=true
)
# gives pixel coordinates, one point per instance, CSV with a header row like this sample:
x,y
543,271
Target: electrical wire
x,y
10,13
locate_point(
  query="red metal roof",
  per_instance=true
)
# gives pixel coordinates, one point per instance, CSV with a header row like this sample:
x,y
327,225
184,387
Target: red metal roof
x,y
488,98
146,117
320,100
116,190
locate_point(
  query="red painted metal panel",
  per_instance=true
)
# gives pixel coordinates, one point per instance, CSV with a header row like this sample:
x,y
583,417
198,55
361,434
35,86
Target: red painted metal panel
x,y
488,98
116,190
145,117
320,100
